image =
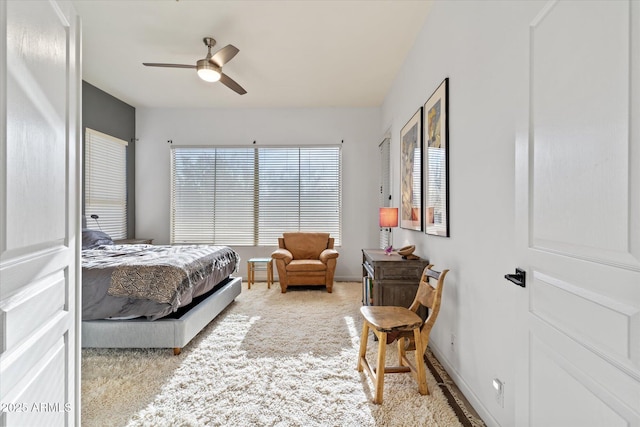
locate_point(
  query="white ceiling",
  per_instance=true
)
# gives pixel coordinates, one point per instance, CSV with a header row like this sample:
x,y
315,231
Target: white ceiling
x,y
296,53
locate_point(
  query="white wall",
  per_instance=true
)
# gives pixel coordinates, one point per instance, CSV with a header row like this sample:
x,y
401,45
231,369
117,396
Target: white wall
x,y
481,47
357,127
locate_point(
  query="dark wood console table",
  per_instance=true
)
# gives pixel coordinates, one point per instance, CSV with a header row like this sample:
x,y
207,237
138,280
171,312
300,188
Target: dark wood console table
x,y
390,279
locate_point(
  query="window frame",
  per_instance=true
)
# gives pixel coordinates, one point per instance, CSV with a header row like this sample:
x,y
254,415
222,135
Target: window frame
x,y
107,169
257,223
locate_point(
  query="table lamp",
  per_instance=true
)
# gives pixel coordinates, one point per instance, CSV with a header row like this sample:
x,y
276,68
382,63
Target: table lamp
x,y
389,219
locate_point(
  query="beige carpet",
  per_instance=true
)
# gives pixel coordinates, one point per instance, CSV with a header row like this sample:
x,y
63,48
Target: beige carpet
x,y
269,359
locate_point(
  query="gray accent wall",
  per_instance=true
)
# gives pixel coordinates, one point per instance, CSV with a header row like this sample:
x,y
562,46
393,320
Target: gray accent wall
x,y
107,114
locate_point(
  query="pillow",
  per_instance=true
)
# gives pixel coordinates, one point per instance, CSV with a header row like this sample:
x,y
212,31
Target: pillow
x,y
94,238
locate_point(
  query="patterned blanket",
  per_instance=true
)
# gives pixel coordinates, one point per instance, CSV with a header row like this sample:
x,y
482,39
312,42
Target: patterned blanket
x,y
157,273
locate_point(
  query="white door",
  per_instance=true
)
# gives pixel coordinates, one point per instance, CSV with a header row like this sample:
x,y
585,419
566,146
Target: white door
x,y
39,213
578,212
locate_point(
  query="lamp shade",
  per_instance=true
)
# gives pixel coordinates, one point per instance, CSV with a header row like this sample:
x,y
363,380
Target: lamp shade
x,y
388,217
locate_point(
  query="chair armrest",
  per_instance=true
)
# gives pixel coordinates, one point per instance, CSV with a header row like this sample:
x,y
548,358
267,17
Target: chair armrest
x,y
282,254
328,254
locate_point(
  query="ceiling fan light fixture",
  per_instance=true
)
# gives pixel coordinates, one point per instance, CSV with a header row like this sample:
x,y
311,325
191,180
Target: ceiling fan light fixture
x,y
207,71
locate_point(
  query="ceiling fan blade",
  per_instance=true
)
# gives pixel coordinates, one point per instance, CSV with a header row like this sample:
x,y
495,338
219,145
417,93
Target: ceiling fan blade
x,y
154,64
231,84
224,55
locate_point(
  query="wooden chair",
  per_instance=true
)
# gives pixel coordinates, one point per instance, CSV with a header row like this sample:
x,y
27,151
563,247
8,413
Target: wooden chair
x,y
389,323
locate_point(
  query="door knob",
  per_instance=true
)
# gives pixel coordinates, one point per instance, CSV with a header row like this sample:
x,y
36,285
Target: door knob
x,y
519,278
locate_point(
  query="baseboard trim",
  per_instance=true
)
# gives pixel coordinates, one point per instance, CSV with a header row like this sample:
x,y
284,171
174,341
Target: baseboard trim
x,y
347,279
488,419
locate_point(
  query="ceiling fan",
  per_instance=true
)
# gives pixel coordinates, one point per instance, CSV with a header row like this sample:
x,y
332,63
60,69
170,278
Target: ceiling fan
x,y
210,68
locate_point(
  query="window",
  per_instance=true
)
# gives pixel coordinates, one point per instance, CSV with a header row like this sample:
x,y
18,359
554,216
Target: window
x,y
106,183
250,196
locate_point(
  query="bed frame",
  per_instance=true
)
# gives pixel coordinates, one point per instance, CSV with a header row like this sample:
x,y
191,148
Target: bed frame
x,y
170,332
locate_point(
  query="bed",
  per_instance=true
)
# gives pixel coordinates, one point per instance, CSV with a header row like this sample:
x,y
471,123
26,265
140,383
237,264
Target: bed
x,y
152,296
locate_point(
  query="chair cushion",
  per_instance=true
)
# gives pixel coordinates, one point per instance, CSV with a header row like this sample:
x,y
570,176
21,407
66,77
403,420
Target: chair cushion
x,y
306,265
306,245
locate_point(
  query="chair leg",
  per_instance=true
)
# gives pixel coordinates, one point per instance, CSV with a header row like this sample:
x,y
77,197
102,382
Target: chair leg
x,y
401,351
421,373
382,353
363,344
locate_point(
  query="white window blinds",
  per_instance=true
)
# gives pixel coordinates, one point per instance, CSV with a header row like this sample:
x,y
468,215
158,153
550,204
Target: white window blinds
x,y
212,196
250,196
436,202
106,183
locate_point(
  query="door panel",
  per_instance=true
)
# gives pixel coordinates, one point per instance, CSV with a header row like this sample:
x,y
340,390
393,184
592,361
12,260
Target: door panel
x,y
36,117
584,400
550,298
32,306
578,216
44,392
580,93
39,251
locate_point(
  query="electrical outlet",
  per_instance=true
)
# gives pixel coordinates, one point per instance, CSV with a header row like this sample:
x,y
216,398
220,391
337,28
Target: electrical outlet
x,y
453,343
498,387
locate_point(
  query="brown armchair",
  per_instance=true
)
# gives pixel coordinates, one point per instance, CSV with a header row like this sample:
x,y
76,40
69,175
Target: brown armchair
x,y
305,259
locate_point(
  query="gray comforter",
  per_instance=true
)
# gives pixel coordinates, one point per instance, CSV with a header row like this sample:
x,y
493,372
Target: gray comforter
x,y
126,281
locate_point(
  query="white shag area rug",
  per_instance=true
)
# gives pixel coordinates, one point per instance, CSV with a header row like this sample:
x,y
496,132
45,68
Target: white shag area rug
x,y
270,359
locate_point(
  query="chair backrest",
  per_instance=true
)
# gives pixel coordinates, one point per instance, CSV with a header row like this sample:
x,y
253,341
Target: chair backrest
x,y
429,297
305,245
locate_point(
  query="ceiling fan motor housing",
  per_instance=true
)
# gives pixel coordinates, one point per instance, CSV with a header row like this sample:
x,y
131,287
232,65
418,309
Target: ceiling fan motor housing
x,y
208,71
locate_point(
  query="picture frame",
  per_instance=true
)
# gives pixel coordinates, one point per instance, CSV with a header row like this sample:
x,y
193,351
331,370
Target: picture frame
x,y
436,162
411,173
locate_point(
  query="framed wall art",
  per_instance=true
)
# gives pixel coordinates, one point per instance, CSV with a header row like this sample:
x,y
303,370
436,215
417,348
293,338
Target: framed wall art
x,y
436,162
411,173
